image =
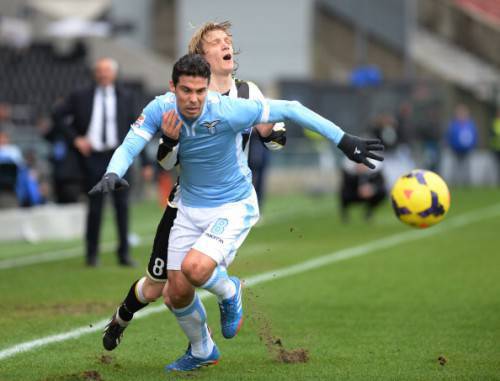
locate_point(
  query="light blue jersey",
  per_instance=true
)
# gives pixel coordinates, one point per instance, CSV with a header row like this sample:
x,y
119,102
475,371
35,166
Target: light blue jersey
x,y
214,170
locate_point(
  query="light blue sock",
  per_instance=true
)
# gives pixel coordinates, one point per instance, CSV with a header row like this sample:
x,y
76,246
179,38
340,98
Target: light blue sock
x,y
193,321
220,285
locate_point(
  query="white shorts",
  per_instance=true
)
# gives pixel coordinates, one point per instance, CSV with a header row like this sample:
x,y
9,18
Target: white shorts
x,y
217,232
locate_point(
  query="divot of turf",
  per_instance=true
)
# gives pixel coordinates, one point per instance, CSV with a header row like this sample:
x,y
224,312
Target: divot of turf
x,y
273,344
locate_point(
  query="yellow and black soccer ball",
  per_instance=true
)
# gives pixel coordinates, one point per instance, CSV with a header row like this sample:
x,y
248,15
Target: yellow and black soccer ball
x,y
420,198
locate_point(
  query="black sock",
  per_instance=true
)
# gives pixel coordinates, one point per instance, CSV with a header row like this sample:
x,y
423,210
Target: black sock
x,y
131,304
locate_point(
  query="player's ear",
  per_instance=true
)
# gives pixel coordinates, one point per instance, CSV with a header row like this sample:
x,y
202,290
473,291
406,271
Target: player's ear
x,y
172,86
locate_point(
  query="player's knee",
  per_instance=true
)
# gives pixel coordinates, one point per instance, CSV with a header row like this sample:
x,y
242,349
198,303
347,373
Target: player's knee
x,y
196,273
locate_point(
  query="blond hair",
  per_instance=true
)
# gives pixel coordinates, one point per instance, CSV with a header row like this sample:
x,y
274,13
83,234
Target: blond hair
x,y
196,43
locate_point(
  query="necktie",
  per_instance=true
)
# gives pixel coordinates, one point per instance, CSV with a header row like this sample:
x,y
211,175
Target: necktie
x,y
104,117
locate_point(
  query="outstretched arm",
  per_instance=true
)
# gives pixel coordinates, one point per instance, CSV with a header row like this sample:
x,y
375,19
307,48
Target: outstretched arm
x,y
125,154
355,148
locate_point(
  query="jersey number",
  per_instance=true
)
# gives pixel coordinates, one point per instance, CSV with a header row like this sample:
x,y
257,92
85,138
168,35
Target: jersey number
x,y
158,267
219,226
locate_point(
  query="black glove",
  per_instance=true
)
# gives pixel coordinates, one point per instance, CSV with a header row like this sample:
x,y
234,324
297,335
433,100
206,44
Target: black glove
x,y
109,182
360,150
166,145
276,140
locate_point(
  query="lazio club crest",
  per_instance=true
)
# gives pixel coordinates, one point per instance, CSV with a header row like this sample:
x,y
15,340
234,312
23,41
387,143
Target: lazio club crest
x,y
211,126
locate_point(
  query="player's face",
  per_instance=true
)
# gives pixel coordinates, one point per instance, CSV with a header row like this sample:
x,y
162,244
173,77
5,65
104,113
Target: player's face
x,y
191,93
218,51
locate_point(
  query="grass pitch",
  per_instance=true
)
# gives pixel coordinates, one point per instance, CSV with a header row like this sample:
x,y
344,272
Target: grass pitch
x,y
402,305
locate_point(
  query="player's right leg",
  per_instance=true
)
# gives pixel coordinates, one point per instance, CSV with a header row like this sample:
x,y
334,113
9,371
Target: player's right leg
x,y
145,290
192,318
183,302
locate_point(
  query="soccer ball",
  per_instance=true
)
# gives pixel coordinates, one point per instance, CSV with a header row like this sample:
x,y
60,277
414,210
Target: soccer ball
x,y
420,198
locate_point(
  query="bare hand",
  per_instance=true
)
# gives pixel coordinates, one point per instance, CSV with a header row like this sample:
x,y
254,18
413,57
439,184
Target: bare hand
x,y
264,129
171,125
82,144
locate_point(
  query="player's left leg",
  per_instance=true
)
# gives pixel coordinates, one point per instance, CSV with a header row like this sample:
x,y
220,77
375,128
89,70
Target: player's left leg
x,y
203,271
206,263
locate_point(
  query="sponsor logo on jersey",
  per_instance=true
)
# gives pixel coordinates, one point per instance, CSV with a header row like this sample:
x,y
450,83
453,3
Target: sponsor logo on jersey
x,y
140,121
218,239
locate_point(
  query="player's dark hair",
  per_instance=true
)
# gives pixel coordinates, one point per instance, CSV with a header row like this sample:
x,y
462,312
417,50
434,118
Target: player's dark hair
x,y
193,65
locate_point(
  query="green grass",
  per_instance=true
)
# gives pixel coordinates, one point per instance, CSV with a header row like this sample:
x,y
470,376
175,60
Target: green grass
x,y
388,315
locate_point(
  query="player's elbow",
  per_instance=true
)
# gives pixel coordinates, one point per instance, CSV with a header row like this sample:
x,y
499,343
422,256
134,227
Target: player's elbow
x,y
293,109
294,104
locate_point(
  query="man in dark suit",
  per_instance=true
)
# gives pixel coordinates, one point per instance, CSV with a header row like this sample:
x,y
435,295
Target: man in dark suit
x,y
97,119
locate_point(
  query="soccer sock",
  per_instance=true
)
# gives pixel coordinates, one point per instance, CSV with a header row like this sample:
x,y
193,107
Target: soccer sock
x,y
133,302
193,321
220,285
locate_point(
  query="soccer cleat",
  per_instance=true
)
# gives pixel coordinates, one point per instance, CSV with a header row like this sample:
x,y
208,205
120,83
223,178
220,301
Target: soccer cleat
x,y
112,334
231,312
188,362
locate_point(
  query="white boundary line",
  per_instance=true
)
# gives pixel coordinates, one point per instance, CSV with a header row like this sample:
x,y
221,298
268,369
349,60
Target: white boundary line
x,y
52,256
337,256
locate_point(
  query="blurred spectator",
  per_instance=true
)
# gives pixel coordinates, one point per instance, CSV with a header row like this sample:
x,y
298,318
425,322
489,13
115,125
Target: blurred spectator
x,y
364,76
397,156
11,162
495,140
18,186
462,139
385,128
361,185
67,167
95,120
258,160
405,127
34,182
426,117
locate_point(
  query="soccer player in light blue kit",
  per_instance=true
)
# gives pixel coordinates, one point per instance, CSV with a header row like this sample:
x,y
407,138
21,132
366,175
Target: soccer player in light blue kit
x,y
218,205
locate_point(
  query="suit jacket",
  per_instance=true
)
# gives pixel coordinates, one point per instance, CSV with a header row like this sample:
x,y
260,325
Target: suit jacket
x,y
75,112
